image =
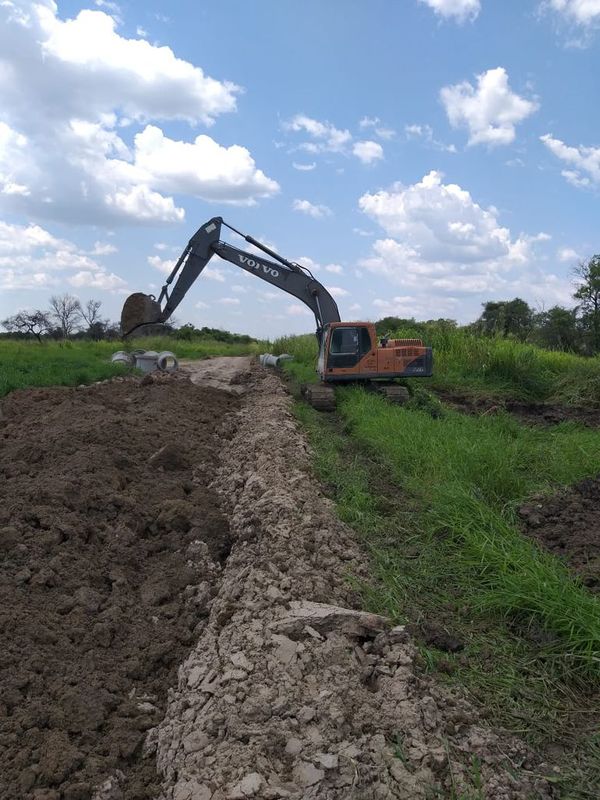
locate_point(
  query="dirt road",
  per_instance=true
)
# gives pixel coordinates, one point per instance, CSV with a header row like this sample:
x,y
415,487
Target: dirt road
x,y
177,617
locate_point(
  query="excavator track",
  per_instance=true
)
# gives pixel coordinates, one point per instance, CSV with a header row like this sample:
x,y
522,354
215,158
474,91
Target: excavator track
x,y
395,394
319,396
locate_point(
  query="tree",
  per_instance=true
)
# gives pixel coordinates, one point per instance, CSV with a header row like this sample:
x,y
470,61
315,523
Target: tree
x,y
66,311
558,329
91,315
34,322
588,294
506,318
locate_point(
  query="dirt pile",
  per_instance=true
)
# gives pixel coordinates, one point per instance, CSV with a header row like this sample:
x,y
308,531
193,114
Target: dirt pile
x,y
111,548
568,524
290,692
529,413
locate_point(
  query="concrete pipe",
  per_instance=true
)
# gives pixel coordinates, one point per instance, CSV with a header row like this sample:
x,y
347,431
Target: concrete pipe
x,y
167,362
121,357
147,361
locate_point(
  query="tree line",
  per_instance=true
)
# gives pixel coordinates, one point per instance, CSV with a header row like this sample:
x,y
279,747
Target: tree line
x,y
67,317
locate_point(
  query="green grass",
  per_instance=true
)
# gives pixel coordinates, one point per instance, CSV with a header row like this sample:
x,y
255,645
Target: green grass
x,y
507,368
24,364
468,474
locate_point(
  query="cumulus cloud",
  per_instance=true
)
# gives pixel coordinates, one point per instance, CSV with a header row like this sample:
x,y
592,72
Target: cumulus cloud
x,y
459,10
75,141
337,291
336,269
304,167
31,257
440,239
490,111
584,160
311,209
229,301
368,151
164,265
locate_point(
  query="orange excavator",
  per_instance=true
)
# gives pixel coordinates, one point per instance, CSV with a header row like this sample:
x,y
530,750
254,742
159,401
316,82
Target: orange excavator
x,y
349,352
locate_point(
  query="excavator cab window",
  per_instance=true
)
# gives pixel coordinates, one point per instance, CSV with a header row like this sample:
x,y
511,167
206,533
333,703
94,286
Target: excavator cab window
x,y
346,346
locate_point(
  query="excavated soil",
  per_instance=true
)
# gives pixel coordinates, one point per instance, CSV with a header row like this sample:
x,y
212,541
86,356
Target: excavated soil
x,y
568,524
111,548
149,524
529,413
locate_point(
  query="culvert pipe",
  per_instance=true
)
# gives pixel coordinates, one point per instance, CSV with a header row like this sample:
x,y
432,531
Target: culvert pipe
x,y
167,361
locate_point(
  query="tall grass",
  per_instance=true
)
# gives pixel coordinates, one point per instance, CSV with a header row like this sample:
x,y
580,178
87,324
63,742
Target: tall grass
x,y
468,474
25,364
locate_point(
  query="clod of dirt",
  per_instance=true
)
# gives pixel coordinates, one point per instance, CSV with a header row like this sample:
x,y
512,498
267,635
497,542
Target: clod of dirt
x,y
99,582
568,525
291,691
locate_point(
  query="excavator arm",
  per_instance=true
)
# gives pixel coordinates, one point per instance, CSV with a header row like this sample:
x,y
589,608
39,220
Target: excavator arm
x,y
142,310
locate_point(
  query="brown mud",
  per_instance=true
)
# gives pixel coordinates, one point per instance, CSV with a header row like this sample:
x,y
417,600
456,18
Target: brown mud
x,y
529,413
568,525
111,548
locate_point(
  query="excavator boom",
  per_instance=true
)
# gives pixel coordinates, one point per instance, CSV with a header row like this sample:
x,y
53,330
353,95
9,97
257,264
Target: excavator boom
x,y
141,312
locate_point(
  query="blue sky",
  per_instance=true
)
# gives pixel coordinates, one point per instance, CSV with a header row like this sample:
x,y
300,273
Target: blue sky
x,y
422,156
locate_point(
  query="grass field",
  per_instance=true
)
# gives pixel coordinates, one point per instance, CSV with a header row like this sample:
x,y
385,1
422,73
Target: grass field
x,y
25,364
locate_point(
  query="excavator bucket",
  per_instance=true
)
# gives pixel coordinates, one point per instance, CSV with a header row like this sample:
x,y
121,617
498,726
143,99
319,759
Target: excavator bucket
x,y
141,315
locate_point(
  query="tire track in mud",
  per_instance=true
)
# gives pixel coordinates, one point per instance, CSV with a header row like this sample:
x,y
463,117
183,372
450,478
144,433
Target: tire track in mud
x,y
291,691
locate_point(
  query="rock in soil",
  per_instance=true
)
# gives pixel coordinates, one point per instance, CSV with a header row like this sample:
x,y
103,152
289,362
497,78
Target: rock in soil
x,y
103,583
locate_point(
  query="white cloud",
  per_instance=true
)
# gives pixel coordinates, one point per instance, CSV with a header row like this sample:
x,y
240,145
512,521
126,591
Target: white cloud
x,y
489,111
306,207
229,301
460,10
336,269
375,123
103,249
586,161
304,167
425,133
580,12
202,168
325,136
68,86
99,279
31,257
238,289
354,307
202,304
566,254
439,238
162,265
337,291
368,151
